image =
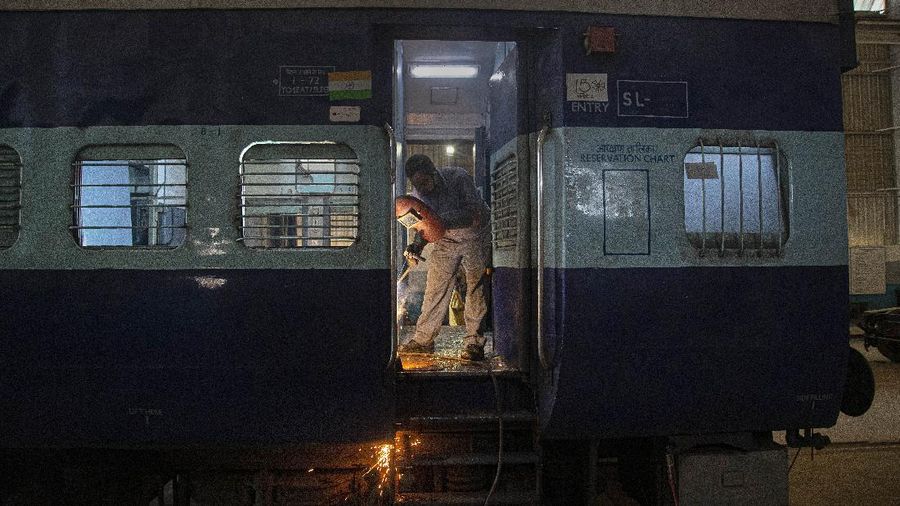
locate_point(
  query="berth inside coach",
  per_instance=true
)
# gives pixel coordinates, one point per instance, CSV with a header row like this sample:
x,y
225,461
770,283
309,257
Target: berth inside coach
x,y
455,102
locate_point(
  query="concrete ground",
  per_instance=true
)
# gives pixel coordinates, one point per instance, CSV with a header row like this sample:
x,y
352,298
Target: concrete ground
x,y
862,466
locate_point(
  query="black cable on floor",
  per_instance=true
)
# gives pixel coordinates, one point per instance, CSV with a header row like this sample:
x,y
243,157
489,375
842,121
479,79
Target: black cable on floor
x,y
500,444
794,460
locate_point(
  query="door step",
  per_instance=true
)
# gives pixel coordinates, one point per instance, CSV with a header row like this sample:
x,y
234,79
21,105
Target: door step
x,y
454,430
477,459
477,498
474,394
466,422
420,375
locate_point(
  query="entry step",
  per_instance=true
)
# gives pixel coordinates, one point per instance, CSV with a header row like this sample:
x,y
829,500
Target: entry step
x,y
468,419
505,374
476,459
466,498
443,394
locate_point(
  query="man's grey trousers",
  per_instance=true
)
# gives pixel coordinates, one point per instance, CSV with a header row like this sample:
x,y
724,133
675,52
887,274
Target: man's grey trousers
x,y
447,256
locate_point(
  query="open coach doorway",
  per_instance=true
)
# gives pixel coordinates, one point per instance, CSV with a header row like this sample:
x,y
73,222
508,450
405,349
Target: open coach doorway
x,y
457,104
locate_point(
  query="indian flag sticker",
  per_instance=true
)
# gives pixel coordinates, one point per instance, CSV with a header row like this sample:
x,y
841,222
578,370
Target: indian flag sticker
x,y
350,85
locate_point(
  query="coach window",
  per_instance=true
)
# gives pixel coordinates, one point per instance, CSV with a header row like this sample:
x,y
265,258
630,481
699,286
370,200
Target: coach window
x,y
735,198
130,196
10,195
299,195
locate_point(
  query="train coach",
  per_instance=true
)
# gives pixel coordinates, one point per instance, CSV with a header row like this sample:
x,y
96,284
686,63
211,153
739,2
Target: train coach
x,y
200,266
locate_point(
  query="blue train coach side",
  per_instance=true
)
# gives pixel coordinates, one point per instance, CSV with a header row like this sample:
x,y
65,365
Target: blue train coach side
x,y
196,238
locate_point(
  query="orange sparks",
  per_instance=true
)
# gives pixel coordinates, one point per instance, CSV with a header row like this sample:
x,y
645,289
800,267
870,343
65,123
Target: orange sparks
x,y
382,455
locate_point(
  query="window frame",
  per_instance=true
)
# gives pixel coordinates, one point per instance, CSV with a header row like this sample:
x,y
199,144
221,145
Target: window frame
x,y
292,152
716,239
130,156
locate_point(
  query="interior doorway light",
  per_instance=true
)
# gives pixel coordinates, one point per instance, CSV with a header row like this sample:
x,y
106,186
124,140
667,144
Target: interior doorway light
x,y
873,6
450,150
437,70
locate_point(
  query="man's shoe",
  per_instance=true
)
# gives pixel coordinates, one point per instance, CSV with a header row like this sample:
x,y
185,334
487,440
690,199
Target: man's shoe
x,y
472,352
413,346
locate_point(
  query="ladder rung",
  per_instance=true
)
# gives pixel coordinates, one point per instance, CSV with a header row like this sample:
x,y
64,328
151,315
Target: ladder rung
x,y
474,459
459,498
471,418
459,375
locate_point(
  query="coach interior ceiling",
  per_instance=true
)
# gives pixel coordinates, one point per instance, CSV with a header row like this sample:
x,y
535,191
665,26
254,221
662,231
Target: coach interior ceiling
x,y
441,108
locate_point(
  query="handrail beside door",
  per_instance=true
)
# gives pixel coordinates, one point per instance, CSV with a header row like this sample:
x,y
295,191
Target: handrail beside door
x,y
546,362
392,174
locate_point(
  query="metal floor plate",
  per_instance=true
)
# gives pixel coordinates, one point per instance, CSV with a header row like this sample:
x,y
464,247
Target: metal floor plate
x,y
447,347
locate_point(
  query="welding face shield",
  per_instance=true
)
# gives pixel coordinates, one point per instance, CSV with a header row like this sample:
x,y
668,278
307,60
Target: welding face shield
x,y
416,215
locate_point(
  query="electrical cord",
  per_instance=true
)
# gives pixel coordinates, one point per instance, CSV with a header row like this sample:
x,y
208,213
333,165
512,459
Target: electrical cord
x,y
500,442
670,465
887,339
794,460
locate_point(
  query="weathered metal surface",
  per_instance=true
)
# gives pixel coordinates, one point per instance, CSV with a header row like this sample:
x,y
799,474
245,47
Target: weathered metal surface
x,y
445,358
817,11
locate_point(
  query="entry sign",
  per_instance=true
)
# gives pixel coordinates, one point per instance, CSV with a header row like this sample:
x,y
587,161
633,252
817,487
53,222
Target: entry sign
x,y
587,87
653,99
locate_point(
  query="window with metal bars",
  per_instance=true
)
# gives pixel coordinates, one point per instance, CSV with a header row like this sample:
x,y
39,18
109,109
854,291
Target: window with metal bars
x,y
299,195
505,204
10,195
735,198
130,196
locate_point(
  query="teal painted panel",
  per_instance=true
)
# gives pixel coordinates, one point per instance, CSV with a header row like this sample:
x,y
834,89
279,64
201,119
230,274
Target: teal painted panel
x,y
213,238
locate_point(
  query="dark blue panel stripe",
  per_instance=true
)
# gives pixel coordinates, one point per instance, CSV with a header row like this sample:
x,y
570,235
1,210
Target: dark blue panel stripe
x,y
512,313
504,103
665,351
221,67
269,357
740,74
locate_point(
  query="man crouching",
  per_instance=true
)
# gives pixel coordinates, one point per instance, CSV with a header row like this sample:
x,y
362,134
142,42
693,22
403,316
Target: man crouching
x,y
450,192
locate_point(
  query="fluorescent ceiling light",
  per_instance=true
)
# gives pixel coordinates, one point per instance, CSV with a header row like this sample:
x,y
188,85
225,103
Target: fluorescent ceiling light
x,y
436,70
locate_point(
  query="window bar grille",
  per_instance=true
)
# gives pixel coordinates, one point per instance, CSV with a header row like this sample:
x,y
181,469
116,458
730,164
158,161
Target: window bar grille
x,y
78,206
759,196
282,161
132,227
127,206
297,215
778,187
299,238
741,192
128,185
339,208
722,195
303,215
888,203
288,196
10,193
703,199
768,240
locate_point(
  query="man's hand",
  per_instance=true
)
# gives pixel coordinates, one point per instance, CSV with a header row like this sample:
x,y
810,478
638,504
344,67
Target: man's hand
x,y
413,253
